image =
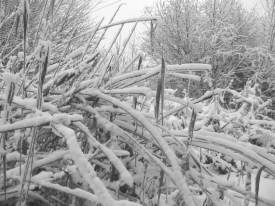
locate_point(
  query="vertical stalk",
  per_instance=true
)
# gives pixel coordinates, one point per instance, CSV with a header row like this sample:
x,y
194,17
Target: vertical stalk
x,y
29,163
162,81
247,188
10,95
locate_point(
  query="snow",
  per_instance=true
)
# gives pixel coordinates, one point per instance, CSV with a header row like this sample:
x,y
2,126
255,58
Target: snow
x,y
76,115
111,154
52,67
65,118
9,77
77,192
13,156
2,151
76,53
173,123
54,156
266,187
85,168
185,76
28,122
132,90
41,119
178,178
155,70
30,103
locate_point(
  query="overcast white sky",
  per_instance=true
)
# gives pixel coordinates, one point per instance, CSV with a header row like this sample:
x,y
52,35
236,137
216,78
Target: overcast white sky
x,y
135,8
130,9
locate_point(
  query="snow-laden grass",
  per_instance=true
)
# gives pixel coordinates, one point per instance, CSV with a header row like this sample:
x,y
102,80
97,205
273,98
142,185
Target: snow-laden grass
x,y
71,127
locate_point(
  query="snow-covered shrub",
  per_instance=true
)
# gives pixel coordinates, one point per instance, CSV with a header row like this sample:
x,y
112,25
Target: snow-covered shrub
x,y
75,132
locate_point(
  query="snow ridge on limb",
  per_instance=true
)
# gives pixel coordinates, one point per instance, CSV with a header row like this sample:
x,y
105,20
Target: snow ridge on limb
x,y
42,119
222,144
179,179
185,76
155,70
132,90
77,191
115,129
125,175
52,157
85,168
30,103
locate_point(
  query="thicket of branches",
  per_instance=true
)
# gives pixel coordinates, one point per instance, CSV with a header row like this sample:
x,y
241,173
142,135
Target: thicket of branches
x,y
77,127
236,42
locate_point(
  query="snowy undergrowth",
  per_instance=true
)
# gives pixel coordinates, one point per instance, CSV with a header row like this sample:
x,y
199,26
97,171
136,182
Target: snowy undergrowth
x,y
74,131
